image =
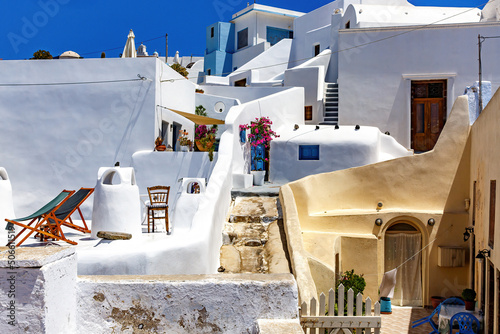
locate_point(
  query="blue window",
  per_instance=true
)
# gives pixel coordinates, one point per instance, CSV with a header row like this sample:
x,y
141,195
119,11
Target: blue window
x,y
274,35
242,38
308,152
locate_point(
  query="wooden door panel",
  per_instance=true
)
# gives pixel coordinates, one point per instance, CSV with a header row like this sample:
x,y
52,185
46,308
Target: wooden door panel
x,y
428,117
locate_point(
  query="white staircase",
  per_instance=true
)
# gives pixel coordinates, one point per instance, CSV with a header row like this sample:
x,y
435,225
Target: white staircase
x,y
331,104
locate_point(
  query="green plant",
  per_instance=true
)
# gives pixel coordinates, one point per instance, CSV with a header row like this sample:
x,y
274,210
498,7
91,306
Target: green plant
x,y
103,54
180,69
42,54
183,138
469,295
353,281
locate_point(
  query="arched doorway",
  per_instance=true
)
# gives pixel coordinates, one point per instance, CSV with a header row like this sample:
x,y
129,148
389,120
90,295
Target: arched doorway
x,y
403,243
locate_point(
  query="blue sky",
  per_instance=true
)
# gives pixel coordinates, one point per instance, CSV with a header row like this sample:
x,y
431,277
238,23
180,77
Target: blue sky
x,y
92,26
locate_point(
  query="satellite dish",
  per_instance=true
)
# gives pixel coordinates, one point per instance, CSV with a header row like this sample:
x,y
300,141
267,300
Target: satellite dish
x,y
220,107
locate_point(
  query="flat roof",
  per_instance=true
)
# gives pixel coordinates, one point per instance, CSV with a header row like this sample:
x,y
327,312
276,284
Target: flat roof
x,y
267,9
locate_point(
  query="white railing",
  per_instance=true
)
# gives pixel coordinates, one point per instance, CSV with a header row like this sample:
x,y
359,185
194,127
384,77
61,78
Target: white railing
x,y
315,319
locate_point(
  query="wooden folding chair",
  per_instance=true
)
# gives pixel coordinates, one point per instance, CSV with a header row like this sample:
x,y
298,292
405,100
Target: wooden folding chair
x,y
63,215
41,216
158,203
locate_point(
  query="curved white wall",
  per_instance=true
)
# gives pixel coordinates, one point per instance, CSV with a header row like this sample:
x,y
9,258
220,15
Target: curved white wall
x,y
196,252
339,149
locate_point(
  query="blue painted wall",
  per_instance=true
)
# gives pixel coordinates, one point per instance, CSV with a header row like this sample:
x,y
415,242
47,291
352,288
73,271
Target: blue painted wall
x,y
220,48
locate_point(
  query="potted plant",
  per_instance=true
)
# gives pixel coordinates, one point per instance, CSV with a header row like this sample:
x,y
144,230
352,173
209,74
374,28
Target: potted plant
x,y
159,144
184,141
205,138
469,297
260,137
436,300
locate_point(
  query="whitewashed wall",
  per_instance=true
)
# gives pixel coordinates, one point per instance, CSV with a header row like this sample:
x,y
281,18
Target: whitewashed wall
x,y
243,95
195,251
55,137
375,80
176,92
167,168
339,149
310,29
184,304
44,284
257,23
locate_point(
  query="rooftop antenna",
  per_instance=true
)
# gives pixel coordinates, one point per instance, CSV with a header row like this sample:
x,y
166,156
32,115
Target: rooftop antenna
x,y
166,48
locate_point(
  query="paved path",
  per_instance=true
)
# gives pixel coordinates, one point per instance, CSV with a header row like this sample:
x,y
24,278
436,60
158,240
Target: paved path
x,y
399,322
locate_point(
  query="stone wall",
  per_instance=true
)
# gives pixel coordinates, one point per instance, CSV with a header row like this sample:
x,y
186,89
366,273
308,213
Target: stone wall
x,y
184,304
48,297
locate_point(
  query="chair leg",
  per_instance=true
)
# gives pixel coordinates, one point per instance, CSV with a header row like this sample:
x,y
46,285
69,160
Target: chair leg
x,y
149,217
166,221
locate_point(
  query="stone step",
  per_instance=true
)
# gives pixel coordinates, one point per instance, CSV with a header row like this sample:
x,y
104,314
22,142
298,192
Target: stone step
x,y
254,210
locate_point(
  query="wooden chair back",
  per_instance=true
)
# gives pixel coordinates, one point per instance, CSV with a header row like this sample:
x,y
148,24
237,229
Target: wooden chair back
x,y
158,194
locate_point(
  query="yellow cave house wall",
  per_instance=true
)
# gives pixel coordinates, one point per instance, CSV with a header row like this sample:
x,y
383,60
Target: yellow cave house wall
x,y
335,213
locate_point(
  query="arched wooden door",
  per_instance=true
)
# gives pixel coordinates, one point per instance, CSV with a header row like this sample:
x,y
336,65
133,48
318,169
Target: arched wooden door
x,y
403,243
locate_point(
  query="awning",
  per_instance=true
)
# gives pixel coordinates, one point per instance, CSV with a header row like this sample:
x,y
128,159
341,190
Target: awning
x,y
200,120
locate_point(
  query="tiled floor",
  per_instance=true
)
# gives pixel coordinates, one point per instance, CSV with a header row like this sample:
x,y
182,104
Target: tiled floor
x,y
399,322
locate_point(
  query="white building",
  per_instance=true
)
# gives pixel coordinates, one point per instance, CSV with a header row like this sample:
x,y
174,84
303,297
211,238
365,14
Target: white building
x,y
362,59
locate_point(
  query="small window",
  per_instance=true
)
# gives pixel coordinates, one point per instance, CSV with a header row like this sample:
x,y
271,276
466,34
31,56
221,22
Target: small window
x,y
209,71
316,50
212,32
493,192
240,83
242,38
308,113
348,25
308,152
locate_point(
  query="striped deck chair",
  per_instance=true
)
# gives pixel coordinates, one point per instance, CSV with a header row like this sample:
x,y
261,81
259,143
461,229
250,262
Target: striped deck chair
x,y
41,216
63,215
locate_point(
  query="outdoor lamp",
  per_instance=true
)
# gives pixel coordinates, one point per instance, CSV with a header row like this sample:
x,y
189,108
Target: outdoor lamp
x,y
431,222
468,231
482,254
378,221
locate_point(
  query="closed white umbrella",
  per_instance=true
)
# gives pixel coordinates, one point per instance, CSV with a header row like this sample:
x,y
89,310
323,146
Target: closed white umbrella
x,y
129,49
177,59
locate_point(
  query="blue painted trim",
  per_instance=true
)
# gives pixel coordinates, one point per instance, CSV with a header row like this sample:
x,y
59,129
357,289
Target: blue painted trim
x,y
258,155
243,136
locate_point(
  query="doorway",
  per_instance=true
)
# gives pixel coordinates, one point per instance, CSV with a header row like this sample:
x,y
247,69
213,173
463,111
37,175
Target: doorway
x,y
175,135
240,83
403,243
428,113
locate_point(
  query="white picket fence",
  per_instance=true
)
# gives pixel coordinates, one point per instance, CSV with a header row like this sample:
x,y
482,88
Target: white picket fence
x,y
315,319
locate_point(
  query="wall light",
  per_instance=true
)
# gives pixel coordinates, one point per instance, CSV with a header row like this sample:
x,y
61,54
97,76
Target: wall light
x,y
468,231
378,222
482,254
431,222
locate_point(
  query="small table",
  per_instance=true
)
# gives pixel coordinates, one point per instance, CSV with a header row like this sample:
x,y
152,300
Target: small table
x,y
448,311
